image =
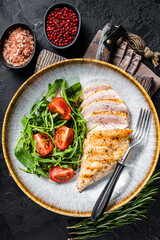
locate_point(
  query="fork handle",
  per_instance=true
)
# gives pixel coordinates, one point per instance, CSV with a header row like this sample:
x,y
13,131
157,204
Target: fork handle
x,y
106,194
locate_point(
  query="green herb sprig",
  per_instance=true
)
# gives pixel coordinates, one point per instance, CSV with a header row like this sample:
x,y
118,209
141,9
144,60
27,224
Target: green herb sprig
x,y
132,211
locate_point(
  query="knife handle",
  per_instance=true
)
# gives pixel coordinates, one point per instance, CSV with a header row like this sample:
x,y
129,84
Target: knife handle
x,y
106,194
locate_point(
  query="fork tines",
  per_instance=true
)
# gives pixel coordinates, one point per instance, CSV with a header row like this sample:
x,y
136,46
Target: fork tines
x,y
143,124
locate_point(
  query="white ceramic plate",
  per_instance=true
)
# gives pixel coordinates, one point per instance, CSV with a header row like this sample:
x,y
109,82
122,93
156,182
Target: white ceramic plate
x,y
65,198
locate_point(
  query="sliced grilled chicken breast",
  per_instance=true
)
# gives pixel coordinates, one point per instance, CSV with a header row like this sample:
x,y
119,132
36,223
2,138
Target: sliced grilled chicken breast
x,y
93,89
101,151
99,95
108,141
107,120
115,105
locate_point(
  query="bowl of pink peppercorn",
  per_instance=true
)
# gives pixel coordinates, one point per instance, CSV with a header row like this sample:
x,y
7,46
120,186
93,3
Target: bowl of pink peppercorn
x,y
62,25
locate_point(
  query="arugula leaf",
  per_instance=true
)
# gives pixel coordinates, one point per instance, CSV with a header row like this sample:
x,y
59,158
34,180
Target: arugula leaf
x,y
45,160
41,172
25,158
25,124
65,166
24,120
73,93
73,150
19,145
64,93
34,107
52,88
24,170
65,96
28,161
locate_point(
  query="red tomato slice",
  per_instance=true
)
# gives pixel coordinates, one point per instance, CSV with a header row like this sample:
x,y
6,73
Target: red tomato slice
x,y
44,143
58,174
63,137
58,105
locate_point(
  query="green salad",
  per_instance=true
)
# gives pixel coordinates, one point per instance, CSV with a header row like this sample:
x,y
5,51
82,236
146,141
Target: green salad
x,y
52,137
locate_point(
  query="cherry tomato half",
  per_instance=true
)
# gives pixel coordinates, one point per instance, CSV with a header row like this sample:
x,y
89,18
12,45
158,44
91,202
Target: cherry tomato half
x,y
44,143
63,137
58,105
58,174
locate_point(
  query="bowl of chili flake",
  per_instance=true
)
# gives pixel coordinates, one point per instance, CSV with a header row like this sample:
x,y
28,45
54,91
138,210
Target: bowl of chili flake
x,y
62,23
17,46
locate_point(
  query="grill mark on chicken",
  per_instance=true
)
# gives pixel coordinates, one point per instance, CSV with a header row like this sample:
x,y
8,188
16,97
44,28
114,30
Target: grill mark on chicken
x,y
99,154
87,176
108,137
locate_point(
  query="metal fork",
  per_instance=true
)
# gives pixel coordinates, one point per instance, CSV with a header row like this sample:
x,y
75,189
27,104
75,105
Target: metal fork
x,y
142,128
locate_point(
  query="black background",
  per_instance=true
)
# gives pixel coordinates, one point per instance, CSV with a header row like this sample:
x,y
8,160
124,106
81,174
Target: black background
x,y
20,217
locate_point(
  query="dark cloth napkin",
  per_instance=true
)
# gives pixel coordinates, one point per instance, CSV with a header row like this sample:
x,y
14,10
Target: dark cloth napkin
x,y
123,57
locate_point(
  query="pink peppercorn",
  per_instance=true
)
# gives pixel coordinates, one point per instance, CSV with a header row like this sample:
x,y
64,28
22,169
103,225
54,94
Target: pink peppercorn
x,y
62,26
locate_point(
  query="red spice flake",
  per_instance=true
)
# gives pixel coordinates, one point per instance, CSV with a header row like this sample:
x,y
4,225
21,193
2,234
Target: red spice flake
x,y
62,26
18,47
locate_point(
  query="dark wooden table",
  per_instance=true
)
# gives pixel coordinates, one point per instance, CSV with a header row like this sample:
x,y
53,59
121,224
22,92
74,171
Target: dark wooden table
x,y
20,217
